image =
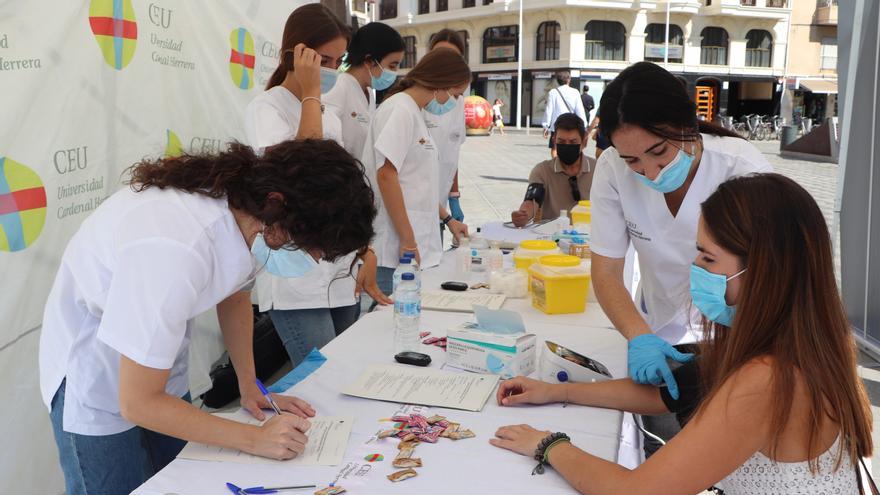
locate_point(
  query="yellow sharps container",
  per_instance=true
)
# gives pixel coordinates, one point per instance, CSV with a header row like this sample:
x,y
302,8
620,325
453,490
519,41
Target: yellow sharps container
x,y
529,251
559,284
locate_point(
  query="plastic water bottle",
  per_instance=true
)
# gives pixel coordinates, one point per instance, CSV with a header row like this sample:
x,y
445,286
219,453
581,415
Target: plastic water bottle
x,y
407,312
405,266
463,260
478,245
415,267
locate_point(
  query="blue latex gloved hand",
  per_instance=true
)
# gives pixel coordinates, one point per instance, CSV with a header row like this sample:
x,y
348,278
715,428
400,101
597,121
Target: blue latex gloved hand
x,y
455,209
646,355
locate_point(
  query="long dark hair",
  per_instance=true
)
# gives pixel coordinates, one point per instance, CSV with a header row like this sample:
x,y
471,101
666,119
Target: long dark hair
x,y
452,37
374,41
439,69
327,203
789,308
648,96
312,24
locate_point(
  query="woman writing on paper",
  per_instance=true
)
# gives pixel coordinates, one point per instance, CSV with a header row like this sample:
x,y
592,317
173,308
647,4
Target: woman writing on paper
x,y
190,234
402,162
773,403
310,311
373,58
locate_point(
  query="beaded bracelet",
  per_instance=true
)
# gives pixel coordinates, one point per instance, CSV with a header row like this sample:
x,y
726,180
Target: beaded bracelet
x,y
544,447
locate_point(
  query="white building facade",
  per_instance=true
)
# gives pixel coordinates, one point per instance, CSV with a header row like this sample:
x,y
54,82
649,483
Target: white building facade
x,y
732,53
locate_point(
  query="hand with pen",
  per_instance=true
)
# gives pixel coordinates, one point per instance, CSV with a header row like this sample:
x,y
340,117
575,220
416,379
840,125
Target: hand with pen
x,y
283,436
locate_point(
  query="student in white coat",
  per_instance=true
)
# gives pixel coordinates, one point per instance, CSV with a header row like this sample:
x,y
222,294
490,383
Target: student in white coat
x,y
448,132
402,162
647,191
190,234
373,58
310,311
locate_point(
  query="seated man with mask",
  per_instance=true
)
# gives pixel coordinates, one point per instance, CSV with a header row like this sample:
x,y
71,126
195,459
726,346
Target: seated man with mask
x,y
559,183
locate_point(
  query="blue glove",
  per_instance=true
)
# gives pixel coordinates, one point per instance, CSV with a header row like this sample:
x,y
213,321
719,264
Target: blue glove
x,y
646,355
455,209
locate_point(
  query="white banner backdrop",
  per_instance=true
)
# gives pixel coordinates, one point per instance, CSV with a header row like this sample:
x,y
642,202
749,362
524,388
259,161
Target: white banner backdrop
x,y
87,88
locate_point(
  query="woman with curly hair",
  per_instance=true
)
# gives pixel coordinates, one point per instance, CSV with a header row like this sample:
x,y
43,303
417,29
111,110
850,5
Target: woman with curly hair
x,y
190,234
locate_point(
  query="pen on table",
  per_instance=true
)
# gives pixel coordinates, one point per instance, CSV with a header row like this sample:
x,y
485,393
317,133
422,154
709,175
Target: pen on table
x,y
273,489
268,397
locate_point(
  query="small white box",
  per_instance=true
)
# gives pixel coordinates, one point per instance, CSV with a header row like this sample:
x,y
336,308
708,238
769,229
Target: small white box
x,y
472,349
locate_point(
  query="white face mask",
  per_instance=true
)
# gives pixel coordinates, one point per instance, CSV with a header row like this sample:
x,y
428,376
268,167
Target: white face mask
x,y
285,263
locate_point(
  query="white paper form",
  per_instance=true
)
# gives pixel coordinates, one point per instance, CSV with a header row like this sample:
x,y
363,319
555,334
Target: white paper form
x,y
463,302
328,440
468,391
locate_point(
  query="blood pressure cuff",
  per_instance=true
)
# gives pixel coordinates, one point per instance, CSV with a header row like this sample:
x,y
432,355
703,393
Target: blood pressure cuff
x,y
535,192
690,391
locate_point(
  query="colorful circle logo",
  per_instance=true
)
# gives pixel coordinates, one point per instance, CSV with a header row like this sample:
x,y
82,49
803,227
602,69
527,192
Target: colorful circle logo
x,y
241,58
115,29
22,205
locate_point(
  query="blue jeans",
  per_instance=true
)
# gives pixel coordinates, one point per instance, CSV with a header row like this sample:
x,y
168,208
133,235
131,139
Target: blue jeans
x,y
385,280
109,464
301,330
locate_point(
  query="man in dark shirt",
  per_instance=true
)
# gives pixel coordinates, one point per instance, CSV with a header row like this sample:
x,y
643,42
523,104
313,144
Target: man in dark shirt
x,y
588,102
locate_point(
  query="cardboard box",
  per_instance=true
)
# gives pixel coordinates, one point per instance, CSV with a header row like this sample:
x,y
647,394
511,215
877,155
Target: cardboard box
x,y
470,348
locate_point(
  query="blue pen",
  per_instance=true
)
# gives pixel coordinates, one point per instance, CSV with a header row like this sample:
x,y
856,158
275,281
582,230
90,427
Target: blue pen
x,y
268,397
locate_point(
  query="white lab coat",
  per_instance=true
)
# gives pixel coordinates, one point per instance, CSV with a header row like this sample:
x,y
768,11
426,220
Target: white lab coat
x,y
625,210
131,281
448,133
398,133
272,117
348,102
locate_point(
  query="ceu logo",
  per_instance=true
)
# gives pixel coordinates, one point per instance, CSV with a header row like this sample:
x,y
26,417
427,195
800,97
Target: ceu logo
x,y
115,29
241,58
172,147
22,205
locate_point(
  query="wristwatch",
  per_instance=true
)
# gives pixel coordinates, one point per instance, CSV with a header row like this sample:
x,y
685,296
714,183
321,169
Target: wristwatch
x,y
447,219
455,194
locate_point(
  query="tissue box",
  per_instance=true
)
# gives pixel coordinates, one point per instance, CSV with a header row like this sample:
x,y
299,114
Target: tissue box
x,y
472,349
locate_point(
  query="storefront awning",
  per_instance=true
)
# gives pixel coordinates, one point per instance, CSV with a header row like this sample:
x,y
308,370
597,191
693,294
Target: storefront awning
x,y
821,86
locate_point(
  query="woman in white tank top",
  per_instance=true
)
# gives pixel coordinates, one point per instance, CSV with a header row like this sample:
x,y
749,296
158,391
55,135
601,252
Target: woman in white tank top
x,y
778,407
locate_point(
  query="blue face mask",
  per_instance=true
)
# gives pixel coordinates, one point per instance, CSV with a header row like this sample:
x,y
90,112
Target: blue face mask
x,y
283,263
708,292
384,81
440,108
672,176
328,79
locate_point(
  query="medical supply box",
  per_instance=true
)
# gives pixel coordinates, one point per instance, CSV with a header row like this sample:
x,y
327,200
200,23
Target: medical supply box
x,y
472,349
559,284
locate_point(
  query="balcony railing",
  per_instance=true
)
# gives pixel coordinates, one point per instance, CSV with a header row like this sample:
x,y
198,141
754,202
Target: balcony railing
x,y
776,4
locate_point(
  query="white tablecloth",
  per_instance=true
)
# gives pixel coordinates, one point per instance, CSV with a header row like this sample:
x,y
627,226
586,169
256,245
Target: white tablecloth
x,y
465,466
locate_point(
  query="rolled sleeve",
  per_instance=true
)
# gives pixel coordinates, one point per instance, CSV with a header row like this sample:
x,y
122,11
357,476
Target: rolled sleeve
x,y
394,139
609,236
152,295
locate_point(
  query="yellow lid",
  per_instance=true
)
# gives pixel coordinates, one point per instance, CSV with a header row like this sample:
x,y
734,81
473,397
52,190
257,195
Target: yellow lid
x,y
584,202
559,260
538,245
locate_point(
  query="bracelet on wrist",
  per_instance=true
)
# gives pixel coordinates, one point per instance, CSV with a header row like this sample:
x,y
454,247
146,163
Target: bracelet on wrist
x,y
544,447
447,219
307,98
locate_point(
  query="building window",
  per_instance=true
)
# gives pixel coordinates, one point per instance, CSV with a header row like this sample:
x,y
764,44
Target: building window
x,y
387,9
605,40
655,43
778,4
442,5
467,43
359,5
424,6
828,54
500,44
747,3
409,52
487,2
468,3
713,46
759,48
548,41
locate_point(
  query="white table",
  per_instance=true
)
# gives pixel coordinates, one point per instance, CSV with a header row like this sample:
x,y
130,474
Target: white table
x,y
465,466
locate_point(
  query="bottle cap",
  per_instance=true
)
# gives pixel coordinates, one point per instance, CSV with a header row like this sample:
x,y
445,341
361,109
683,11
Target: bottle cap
x,y
405,260
408,276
